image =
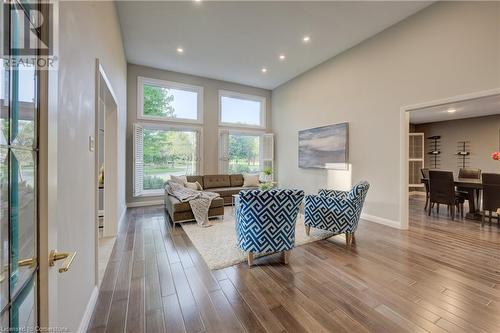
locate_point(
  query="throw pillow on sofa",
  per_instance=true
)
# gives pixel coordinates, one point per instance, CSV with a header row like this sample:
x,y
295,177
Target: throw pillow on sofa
x,y
193,186
250,180
181,180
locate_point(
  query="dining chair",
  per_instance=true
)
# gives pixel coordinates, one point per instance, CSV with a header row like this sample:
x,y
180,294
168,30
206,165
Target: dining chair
x,y
442,191
469,173
425,175
491,195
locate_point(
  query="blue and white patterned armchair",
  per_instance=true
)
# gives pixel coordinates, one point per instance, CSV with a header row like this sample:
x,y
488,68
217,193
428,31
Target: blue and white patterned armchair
x,y
336,211
265,221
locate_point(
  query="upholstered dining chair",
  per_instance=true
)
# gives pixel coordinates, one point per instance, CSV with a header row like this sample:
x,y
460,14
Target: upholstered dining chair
x,y
265,221
468,173
491,195
425,175
336,211
442,191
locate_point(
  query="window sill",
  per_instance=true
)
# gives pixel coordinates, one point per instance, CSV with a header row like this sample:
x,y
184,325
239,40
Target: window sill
x,y
158,193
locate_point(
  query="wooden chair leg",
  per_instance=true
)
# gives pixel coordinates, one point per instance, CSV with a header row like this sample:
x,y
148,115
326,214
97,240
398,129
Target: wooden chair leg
x,y
437,208
286,256
353,238
453,212
430,208
483,217
308,230
490,216
250,259
348,238
426,201
462,210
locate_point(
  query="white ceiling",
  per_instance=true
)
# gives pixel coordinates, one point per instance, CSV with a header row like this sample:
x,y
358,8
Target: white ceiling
x,y
234,40
484,106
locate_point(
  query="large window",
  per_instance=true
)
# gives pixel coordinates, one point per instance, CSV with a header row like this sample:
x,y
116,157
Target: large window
x,y
169,101
240,110
161,152
240,152
244,153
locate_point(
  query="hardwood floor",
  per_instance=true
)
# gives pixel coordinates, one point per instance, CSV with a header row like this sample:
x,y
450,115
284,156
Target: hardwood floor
x,y
439,276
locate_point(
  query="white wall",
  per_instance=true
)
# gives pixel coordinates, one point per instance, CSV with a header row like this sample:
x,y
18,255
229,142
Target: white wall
x,y
87,30
211,89
448,49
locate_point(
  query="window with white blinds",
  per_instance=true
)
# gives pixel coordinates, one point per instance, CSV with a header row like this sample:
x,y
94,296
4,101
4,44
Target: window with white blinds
x,y
163,151
138,159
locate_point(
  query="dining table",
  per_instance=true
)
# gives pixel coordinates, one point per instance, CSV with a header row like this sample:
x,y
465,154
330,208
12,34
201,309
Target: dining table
x,y
473,187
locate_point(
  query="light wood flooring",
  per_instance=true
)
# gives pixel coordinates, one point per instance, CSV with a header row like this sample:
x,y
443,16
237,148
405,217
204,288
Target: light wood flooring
x,y
439,276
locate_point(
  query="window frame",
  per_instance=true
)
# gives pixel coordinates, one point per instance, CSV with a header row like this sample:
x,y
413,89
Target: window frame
x,y
240,131
141,81
233,94
170,127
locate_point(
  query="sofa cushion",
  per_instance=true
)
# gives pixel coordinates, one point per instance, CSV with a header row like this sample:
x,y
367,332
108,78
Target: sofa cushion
x,y
236,180
214,181
229,191
194,179
185,207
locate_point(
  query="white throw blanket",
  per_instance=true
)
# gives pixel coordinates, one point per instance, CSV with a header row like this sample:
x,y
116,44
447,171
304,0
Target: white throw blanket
x,y
199,201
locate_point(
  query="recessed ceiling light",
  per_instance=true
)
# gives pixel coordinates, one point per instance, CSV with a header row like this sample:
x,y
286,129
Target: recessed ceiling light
x,y
180,50
197,0
451,110
264,70
306,39
282,57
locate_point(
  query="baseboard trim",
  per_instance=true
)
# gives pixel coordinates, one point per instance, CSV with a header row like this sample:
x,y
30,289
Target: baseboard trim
x,y
122,217
381,220
416,193
87,315
145,203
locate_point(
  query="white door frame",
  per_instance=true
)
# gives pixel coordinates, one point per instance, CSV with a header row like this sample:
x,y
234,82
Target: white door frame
x,y
403,148
110,165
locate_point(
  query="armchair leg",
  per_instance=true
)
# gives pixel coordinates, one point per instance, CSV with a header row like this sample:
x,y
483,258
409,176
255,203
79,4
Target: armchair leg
x,y
286,256
308,230
250,259
348,238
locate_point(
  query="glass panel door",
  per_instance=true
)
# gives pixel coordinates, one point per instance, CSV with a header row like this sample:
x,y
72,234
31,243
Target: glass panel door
x,y
18,179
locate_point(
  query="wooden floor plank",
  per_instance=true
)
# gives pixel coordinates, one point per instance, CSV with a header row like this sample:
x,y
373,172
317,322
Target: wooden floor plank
x,y
439,276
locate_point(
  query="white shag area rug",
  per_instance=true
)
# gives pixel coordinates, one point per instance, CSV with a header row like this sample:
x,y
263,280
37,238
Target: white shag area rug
x,y
217,244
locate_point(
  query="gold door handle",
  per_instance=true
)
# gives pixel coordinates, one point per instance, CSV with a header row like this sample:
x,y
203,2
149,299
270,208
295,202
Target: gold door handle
x,y
67,256
31,262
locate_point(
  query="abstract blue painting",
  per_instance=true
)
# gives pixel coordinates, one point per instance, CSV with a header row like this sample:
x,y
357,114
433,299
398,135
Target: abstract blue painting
x,y
324,147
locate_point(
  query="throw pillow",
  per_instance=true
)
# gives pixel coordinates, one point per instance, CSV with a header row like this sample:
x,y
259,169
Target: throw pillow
x,y
193,186
251,180
178,179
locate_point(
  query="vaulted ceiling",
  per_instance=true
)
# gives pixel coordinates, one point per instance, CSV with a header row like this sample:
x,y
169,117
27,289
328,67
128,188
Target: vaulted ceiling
x,y
236,40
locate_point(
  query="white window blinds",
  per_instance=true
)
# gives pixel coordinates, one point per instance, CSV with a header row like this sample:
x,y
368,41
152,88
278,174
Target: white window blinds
x,y
138,159
268,147
223,152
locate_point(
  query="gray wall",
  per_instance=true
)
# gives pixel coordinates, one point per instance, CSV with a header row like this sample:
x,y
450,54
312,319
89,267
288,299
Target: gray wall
x,y
482,132
210,115
448,49
87,30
